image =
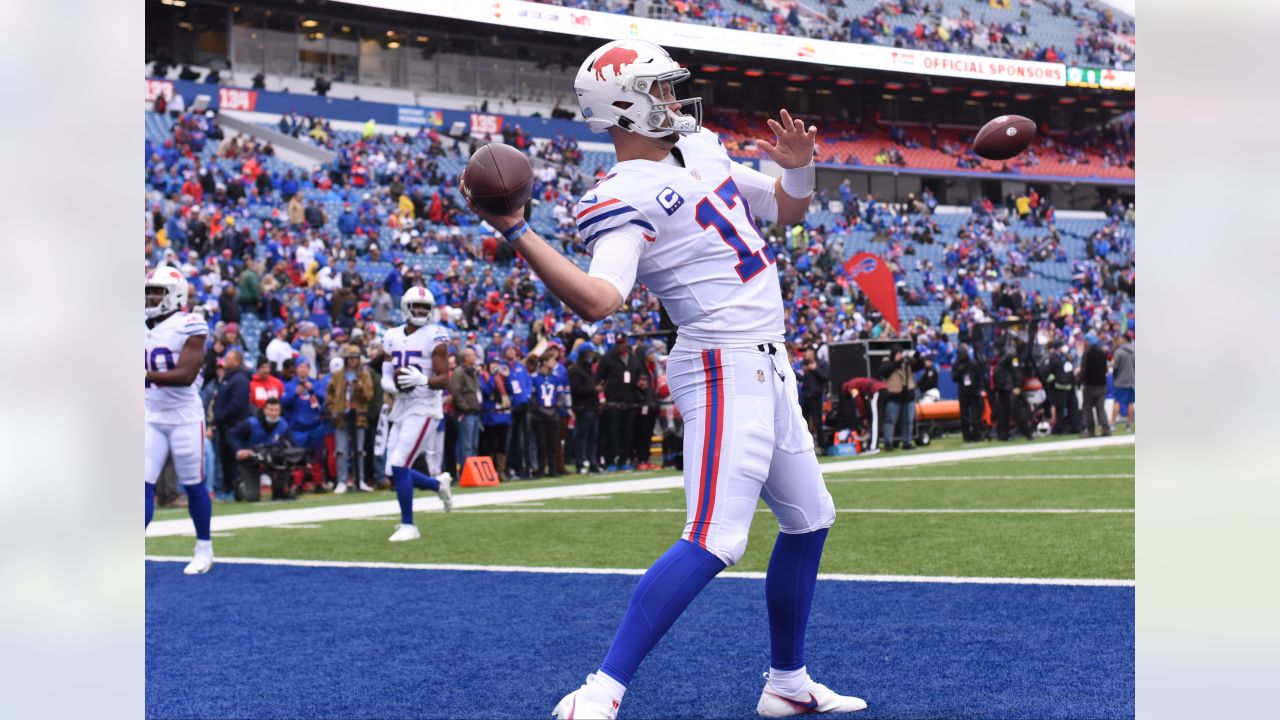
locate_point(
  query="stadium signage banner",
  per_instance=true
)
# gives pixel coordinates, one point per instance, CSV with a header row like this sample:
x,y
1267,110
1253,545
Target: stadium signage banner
x,y
486,124
411,115
158,88
608,26
1105,78
237,99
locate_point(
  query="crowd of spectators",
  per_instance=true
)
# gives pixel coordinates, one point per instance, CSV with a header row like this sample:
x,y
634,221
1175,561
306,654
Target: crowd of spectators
x,y
993,28
316,261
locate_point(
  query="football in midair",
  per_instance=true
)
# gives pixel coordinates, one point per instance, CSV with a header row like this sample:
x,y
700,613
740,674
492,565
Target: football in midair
x,y
1004,137
498,179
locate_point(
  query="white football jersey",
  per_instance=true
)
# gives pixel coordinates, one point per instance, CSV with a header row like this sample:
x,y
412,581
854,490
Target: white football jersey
x,y
171,404
415,349
702,254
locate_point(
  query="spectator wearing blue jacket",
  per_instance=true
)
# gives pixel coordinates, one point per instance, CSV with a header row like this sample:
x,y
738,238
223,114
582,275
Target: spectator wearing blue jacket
x,y
394,282
230,407
347,221
266,430
303,406
521,445
288,187
495,413
544,410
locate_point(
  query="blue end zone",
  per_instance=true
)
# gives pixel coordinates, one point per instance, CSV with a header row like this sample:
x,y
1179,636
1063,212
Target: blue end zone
x,y
256,641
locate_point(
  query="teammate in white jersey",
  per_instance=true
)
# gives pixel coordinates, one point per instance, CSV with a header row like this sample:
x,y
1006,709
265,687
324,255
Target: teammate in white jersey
x,y
676,213
174,355
417,373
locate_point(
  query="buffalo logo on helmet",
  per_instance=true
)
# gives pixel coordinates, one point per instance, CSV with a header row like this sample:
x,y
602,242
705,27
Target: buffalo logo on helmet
x,y
615,58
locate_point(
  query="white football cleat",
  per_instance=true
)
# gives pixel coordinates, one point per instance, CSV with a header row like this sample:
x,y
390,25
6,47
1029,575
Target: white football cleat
x,y
446,490
200,564
579,705
815,698
341,489
405,533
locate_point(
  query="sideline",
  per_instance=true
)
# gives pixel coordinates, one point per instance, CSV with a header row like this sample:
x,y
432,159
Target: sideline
x,y
837,577
182,526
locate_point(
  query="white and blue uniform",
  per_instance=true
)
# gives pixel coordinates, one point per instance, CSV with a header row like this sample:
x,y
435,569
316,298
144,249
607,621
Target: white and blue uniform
x,y
687,233
417,416
174,415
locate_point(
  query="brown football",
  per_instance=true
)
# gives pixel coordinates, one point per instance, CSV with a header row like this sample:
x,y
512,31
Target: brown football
x,y
498,179
1004,137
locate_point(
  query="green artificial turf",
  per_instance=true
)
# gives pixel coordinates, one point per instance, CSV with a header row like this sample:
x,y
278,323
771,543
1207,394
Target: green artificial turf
x,y
1082,545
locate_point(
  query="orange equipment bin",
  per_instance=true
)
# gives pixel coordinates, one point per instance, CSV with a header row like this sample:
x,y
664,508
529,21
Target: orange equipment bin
x,y
942,410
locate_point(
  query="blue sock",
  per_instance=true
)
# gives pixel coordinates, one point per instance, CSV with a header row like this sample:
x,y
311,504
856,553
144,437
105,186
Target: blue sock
x,y
788,593
423,482
662,594
201,509
151,502
404,493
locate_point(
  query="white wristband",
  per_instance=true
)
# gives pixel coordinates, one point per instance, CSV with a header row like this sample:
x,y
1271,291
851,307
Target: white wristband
x,y
799,182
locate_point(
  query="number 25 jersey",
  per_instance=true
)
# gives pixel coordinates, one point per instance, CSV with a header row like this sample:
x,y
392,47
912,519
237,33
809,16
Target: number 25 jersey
x,y
700,251
416,350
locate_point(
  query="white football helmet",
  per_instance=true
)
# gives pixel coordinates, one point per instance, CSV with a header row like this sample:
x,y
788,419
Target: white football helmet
x,y
174,287
412,304
613,87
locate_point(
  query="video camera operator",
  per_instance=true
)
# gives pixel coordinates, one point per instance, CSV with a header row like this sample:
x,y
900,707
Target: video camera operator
x,y
898,373
258,441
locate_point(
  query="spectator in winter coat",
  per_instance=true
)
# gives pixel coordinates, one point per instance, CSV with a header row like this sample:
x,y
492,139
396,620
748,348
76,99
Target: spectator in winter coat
x,y
971,385
464,391
1093,376
1123,381
900,381
813,389
584,393
347,400
619,403
230,406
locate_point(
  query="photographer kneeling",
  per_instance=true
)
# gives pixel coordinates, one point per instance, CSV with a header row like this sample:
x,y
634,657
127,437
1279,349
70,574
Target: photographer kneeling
x,y
262,447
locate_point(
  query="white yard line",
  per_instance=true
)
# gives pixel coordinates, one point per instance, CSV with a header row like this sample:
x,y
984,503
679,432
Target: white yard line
x,y
182,526
949,478
903,511
838,577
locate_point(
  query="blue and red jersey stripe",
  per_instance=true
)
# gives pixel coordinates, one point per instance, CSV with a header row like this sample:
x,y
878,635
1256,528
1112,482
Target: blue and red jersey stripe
x,y
712,438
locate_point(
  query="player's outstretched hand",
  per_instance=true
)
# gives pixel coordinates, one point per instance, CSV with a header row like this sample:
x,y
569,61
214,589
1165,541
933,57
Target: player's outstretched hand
x,y
794,145
501,223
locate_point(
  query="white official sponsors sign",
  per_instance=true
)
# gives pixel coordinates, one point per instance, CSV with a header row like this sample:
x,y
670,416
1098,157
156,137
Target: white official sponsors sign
x,y
608,26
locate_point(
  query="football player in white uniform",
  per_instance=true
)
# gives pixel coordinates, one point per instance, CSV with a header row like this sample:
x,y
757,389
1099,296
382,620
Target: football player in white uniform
x,y
676,213
416,374
174,355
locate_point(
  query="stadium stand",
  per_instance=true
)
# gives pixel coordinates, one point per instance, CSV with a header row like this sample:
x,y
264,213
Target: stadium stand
x,y
954,266
1083,33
